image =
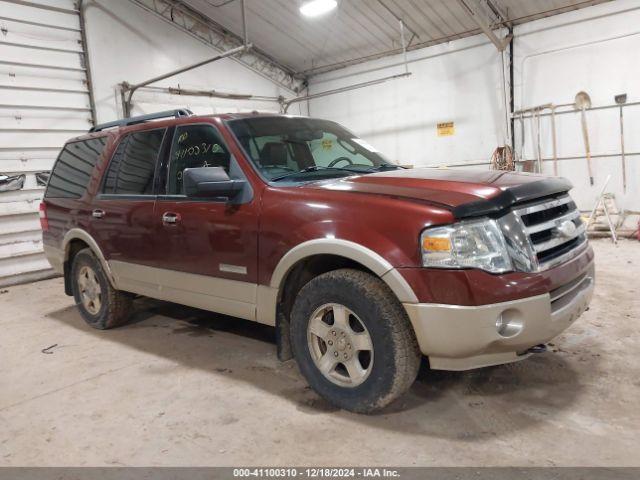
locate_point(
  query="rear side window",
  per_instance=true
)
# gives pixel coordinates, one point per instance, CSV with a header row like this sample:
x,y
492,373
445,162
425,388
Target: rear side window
x,y
71,173
132,168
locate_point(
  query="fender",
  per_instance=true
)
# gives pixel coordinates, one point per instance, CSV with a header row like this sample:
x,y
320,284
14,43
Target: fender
x,y
268,295
79,234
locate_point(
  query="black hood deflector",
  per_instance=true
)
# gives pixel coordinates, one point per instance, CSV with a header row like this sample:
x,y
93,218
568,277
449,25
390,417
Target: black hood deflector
x,y
511,196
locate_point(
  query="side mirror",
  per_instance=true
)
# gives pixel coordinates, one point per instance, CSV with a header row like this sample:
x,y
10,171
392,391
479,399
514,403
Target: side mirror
x,y
210,182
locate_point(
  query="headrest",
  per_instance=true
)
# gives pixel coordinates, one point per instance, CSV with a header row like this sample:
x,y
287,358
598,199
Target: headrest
x,y
274,153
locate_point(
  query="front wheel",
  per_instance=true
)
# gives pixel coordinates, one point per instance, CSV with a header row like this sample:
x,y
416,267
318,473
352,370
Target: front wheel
x,y
353,341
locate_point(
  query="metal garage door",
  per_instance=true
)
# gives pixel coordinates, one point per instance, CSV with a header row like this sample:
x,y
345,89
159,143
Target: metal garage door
x,y
44,100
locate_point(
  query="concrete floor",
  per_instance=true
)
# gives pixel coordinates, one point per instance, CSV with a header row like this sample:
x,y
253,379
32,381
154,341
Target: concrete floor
x,y
184,387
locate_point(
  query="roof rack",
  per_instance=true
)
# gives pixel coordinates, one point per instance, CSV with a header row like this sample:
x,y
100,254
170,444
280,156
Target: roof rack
x,y
180,112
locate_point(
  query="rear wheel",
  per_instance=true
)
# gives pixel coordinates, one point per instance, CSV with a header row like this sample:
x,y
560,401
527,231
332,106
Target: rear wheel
x,y
353,341
100,305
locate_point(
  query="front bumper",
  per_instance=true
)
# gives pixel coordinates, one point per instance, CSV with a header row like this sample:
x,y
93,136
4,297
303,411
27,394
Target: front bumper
x,y
456,337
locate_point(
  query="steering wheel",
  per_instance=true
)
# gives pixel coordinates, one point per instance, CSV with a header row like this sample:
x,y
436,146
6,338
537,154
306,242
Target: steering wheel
x,y
340,159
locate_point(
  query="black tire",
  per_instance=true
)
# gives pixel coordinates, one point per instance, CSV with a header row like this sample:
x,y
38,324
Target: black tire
x,y
115,305
396,355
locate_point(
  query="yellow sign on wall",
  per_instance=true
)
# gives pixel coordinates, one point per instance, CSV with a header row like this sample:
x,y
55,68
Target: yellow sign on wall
x,y
446,129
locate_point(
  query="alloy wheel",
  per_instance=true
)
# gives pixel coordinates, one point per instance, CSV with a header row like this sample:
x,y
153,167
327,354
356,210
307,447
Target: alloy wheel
x,y
340,345
90,290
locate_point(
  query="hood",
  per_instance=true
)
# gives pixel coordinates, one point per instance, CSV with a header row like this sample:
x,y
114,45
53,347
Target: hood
x,y
467,192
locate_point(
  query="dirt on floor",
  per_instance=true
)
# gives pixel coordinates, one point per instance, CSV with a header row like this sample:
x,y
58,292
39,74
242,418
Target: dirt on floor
x,y
179,386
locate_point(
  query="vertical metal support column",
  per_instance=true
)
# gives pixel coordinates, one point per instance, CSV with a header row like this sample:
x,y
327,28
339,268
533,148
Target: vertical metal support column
x,y
554,140
538,146
506,102
245,34
624,164
511,94
404,47
87,61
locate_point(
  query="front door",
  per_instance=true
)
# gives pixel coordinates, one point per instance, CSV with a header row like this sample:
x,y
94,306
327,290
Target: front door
x,y
210,245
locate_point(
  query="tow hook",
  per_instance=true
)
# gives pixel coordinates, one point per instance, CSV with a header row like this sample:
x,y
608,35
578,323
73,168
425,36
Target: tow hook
x,y
541,348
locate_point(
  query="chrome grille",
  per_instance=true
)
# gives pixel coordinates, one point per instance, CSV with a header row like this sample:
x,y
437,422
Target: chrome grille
x,y
554,229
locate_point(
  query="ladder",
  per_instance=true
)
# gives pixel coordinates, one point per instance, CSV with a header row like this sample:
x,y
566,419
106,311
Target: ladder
x,y
603,211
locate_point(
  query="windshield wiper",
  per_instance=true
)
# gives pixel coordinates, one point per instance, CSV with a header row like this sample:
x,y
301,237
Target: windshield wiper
x,y
315,168
387,166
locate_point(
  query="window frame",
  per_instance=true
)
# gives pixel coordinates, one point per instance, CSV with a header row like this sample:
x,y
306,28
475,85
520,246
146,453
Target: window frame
x,y
247,154
163,176
159,160
55,164
258,171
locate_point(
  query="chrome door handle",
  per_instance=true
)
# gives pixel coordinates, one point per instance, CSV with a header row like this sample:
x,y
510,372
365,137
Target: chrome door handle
x,y
170,218
97,213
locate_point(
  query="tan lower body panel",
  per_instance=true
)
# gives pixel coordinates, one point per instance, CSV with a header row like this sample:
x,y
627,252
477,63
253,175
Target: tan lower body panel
x,y
229,297
478,361
458,337
55,256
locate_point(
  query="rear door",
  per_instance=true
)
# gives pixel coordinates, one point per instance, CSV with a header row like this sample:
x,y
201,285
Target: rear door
x,y
122,213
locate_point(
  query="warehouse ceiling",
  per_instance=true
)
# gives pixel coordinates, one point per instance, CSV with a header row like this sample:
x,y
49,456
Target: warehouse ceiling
x,y
359,30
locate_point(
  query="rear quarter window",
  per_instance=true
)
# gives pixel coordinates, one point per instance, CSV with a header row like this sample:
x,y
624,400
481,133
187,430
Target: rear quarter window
x,y
132,168
72,171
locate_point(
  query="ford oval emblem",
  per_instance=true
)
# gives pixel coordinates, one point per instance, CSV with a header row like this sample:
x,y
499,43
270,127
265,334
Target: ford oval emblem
x,y
567,229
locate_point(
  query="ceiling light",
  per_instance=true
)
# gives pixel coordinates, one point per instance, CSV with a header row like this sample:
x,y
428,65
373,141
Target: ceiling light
x,y
315,8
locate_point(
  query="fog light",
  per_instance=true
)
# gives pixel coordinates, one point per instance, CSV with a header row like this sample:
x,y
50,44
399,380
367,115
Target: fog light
x,y
509,323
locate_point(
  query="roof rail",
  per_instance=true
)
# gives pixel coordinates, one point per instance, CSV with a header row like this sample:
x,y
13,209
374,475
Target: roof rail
x,y
180,112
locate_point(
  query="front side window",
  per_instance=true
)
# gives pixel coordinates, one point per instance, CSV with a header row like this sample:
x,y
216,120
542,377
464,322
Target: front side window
x,y
302,149
195,146
71,173
132,168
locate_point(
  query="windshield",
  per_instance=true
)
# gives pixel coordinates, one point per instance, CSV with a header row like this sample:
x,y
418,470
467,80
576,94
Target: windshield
x,y
303,149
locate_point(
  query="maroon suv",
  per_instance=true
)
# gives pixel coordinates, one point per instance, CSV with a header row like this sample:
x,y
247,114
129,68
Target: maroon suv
x,y
362,266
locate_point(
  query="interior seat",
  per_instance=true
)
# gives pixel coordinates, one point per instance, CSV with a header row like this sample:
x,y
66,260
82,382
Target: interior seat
x,y
274,154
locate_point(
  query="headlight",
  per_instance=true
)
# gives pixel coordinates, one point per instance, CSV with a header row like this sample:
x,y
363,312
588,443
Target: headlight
x,y
467,244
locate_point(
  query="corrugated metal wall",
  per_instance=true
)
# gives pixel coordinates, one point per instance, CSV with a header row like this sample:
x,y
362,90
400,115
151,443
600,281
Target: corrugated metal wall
x,y
44,100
